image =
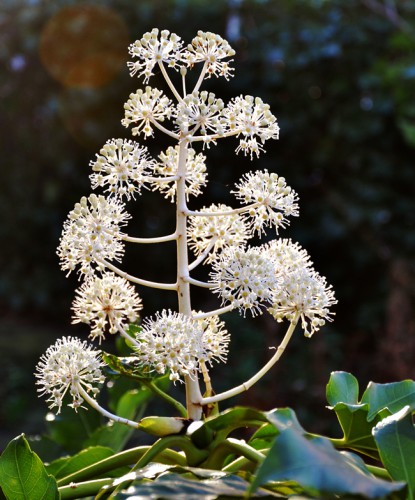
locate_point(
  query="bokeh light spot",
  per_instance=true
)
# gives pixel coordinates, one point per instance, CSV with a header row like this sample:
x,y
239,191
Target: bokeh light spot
x,y
84,46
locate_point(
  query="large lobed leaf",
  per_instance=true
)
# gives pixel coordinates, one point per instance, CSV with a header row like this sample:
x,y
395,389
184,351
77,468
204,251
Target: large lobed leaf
x,y
182,483
395,437
358,418
320,470
23,475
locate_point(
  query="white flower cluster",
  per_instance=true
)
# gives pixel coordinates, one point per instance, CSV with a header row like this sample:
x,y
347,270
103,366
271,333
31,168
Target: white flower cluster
x,y
201,111
146,109
175,342
217,232
244,278
106,301
196,175
165,47
92,233
210,48
122,166
274,200
152,49
67,366
251,118
278,276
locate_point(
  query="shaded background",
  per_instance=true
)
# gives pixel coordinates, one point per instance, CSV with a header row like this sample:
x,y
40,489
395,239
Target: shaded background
x,y
340,77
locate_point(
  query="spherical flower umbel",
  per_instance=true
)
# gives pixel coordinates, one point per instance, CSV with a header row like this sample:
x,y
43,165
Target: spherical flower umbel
x,y
146,108
288,256
303,292
215,339
210,48
196,175
201,112
174,342
106,302
244,278
274,200
251,117
121,166
154,47
218,231
68,366
91,233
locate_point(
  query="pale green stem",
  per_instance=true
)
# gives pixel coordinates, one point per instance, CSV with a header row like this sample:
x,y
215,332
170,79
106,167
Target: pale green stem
x,y
216,312
121,459
134,279
92,402
169,82
206,378
170,178
165,130
150,384
249,383
83,490
202,284
201,76
183,287
204,254
231,445
226,213
184,84
214,137
127,337
159,239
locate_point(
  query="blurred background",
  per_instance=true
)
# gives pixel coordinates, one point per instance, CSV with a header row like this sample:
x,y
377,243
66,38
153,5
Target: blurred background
x,y
340,77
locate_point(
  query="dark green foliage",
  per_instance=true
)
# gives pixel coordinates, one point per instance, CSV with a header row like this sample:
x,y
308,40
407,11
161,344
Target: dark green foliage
x,y
211,460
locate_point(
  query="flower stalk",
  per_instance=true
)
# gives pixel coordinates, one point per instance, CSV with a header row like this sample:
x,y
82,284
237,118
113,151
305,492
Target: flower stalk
x,y
274,278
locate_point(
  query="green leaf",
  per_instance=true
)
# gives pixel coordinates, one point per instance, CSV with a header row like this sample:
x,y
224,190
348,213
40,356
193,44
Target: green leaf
x,y
185,482
395,437
357,431
224,423
318,468
114,435
23,475
343,387
392,396
127,366
62,467
282,418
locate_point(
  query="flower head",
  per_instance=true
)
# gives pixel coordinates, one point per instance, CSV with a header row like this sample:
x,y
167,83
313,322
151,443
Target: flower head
x,y
218,231
177,343
92,232
252,119
145,108
244,278
211,49
106,302
215,339
122,166
154,47
68,366
195,172
200,111
274,200
305,293
288,256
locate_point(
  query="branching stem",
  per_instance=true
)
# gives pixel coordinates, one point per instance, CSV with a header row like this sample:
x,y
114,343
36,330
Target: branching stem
x,y
134,279
249,383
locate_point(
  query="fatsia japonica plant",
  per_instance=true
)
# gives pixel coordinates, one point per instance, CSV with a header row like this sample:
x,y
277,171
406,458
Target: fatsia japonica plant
x,y
195,451
276,277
